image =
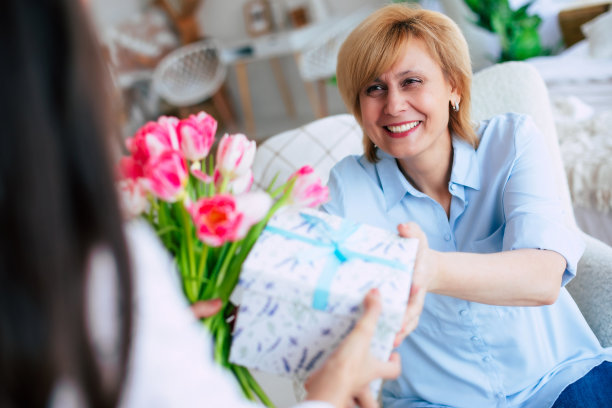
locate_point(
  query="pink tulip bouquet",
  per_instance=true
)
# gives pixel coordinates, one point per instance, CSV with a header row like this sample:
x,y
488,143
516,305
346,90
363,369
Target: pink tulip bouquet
x,y
204,211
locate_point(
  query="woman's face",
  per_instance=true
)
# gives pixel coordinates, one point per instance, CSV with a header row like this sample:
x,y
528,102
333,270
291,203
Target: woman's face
x,y
405,110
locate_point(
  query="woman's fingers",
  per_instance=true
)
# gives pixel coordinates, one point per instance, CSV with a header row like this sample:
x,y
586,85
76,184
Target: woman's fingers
x,y
390,369
412,230
412,313
365,399
206,308
373,307
421,278
385,370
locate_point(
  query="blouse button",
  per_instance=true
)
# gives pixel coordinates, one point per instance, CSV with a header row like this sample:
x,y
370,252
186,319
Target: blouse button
x,y
447,237
475,339
486,359
463,312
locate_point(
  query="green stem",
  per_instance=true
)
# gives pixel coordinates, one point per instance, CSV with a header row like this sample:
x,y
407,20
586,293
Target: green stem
x,y
211,288
166,230
272,183
202,265
162,217
244,382
253,385
190,254
183,266
285,189
226,260
211,172
224,184
221,340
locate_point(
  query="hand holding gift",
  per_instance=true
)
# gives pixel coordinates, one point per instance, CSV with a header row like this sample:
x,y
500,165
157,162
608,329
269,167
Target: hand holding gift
x,y
348,371
423,278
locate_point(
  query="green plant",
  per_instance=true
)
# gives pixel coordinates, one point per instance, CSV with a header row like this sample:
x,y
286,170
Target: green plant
x,y
517,30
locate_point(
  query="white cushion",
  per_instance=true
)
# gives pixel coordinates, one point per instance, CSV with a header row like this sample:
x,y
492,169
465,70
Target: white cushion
x,y
320,144
598,33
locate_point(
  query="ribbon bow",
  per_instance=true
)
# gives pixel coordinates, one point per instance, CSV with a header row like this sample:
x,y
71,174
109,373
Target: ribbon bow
x,y
334,241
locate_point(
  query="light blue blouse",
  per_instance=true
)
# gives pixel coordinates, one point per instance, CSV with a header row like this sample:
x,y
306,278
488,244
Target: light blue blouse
x,y
468,354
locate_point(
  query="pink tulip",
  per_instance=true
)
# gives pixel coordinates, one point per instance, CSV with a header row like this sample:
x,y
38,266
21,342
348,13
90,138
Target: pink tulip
x,y
216,219
170,123
200,175
132,196
153,139
235,156
130,168
308,190
166,175
238,185
254,206
196,135
226,218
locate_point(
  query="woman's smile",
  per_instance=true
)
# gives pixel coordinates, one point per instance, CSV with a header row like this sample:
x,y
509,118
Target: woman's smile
x,y
399,130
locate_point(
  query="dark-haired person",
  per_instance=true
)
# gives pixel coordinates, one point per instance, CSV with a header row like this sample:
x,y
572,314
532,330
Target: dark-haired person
x,y
91,313
497,328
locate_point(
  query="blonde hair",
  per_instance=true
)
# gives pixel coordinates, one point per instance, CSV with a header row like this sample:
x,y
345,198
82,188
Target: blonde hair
x,y
376,44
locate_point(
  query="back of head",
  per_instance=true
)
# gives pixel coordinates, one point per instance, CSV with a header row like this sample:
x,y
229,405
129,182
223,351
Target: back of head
x,y
57,201
377,43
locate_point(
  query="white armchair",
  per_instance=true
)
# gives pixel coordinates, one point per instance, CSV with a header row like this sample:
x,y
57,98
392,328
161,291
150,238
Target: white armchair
x,y
507,87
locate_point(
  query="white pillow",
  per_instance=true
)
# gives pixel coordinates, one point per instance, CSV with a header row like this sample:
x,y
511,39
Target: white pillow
x,y
598,33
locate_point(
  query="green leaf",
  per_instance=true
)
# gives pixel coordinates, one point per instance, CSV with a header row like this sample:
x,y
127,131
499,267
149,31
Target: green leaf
x,y
525,45
516,29
167,230
271,186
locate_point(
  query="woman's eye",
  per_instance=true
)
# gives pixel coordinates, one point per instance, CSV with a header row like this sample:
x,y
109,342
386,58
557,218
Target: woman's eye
x,y
411,81
374,89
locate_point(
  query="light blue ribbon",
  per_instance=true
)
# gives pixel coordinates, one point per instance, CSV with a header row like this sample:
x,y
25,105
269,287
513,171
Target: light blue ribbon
x,y
334,240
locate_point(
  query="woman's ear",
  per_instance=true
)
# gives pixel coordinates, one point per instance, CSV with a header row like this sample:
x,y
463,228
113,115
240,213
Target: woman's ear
x,y
455,95
455,98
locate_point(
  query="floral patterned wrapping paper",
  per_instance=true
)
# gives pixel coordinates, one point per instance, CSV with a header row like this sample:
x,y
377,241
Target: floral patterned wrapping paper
x,y
280,329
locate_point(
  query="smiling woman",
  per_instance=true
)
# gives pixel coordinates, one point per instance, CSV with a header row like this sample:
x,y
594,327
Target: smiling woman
x,y
481,199
405,112
379,45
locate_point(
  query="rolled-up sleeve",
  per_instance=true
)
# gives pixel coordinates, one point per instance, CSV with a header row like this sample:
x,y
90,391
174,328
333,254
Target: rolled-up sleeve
x,y
532,209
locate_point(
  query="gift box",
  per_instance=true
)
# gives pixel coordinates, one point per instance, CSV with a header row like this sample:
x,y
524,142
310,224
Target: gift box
x,y
303,286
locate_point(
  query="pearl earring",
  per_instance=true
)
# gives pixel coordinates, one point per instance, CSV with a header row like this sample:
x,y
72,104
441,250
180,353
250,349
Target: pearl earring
x,y
456,106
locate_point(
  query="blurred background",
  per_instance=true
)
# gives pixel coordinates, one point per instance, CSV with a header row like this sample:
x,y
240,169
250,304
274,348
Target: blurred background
x,y
277,57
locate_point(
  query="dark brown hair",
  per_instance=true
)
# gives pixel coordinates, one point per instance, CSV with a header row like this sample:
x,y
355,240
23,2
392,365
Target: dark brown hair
x,y
57,202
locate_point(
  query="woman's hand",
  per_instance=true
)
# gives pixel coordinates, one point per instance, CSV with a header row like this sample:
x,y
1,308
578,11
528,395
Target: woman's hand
x,y
206,308
425,272
345,376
